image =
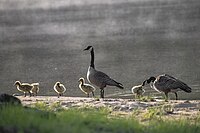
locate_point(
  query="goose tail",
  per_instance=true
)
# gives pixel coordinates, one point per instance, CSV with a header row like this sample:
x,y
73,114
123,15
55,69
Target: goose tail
x,y
186,89
119,85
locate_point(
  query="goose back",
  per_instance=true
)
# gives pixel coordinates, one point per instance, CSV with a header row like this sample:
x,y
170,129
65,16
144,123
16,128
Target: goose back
x,y
86,88
100,79
24,87
167,83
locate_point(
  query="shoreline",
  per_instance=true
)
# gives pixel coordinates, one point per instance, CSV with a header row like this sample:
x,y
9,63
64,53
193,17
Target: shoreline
x,y
187,108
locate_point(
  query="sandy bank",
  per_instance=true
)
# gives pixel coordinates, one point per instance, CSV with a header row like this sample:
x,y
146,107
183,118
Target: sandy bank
x,y
125,106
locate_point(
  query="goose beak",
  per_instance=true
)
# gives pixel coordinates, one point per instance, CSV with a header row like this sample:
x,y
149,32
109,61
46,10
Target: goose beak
x,y
88,47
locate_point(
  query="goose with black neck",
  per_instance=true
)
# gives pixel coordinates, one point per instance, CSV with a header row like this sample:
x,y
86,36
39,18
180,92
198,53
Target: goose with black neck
x,y
99,78
166,83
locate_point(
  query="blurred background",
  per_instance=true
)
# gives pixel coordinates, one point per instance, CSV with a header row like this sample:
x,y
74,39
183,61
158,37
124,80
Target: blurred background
x,y
43,41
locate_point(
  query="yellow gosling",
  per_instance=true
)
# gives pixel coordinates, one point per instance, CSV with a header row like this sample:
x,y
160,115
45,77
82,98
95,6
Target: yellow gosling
x,y
35,89
86,88
24,87
59,89
138,90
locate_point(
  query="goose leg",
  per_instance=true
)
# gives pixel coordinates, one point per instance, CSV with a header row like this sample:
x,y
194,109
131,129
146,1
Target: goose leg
x,y
93,93
29,93
88,95
136,96
166,96
24,94
176,95
101,92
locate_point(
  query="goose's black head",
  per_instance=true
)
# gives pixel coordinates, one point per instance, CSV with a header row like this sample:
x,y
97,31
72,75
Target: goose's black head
x,y
88,47
151,79
92,55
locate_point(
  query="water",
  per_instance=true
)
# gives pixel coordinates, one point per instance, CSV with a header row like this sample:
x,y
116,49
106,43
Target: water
x,y
44,41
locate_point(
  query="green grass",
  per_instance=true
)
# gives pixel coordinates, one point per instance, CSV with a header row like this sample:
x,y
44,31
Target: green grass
x,y
47,119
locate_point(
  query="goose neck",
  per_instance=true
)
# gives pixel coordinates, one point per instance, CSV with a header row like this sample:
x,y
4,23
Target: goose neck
x,y
92,58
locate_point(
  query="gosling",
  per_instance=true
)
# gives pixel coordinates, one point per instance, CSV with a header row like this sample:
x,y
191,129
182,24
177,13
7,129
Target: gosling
x,y
138,91
59,89
86,88
24,87
35,89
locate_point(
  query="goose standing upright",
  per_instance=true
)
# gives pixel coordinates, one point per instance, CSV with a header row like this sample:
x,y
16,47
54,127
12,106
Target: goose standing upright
x,y
99,78
166,83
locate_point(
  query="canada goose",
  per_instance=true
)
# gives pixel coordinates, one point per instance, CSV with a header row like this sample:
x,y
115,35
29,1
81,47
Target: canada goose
x,y
35,89
24,87
166,83
138,91
86,88
59,88
99,78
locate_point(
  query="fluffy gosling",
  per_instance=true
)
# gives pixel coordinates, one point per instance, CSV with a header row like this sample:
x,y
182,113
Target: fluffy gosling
x,y
35,89
59,89
24,87
86,88
138,91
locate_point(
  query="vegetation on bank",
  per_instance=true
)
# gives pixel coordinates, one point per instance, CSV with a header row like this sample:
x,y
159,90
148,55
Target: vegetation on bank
x,y
41,118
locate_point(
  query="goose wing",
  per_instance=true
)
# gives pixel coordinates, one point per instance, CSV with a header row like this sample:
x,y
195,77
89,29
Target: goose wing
x,y
168,82
106,80
90,86
62,87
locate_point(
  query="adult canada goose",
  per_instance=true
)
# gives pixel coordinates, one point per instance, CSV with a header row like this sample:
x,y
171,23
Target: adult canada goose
x,y
24,87
35,89
86,88
138,90
59,88
166,83
99,78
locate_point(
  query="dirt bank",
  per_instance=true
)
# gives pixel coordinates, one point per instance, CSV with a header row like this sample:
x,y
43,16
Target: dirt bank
x,y
125,107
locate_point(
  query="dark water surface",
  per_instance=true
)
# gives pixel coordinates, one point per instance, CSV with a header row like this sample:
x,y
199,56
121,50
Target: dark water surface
x,y
43,41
